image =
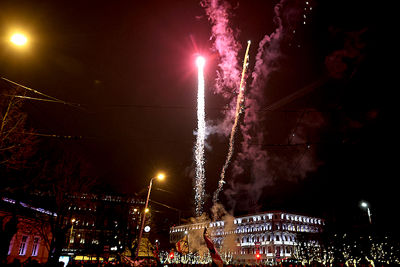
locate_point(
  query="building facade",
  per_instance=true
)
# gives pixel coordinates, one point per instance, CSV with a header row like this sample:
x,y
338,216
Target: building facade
x,y
29,241
101,225
96,227
263,237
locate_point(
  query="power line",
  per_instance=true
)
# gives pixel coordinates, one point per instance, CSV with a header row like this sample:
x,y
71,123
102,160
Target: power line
x,y
75,137
47,99
307,145
275,107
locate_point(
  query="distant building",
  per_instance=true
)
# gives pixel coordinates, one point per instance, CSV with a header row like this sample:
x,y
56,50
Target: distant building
x,y
29,241
263,237
101,225
96,226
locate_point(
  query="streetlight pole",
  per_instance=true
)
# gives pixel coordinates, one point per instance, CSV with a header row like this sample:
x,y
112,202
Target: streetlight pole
x,y
160,177
365,205
70,234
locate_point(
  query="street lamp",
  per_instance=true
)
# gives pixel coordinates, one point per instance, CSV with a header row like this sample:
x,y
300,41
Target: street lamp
x,y
366,206
160,177
70,234
18,39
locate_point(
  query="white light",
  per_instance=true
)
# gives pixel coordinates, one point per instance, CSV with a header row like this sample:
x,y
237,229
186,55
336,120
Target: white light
x,y
200,61
19,39
200,139
147,229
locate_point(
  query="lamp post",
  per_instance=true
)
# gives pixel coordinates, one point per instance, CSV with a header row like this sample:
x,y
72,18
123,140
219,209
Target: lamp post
x,y
159,177
70,233
366,206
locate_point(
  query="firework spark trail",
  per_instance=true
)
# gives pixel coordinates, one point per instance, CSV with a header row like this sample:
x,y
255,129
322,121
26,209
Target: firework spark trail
x,y
201,133
288,15
251,148
239,106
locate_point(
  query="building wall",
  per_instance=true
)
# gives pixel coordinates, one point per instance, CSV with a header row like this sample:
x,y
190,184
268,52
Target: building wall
x,y
270,234
103,224
28,242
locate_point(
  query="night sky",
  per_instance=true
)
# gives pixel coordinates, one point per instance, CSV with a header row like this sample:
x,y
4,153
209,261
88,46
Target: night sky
x,y
130,67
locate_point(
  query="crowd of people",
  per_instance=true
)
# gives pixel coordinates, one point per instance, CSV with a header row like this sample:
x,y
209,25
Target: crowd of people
x,y
152,263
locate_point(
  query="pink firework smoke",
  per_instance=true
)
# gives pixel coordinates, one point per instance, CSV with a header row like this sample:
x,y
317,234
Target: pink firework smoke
x,y
226,46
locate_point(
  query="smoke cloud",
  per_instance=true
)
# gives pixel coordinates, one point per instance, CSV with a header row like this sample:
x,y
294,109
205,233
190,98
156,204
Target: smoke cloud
x,y
218,213
253,160
343,63
228,75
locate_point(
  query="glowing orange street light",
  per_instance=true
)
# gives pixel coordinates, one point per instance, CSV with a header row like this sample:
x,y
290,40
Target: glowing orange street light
x,y
161,176
19,39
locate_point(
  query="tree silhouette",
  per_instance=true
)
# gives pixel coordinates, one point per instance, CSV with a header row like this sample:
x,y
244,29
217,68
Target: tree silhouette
x,y
17,145
61,185
16,142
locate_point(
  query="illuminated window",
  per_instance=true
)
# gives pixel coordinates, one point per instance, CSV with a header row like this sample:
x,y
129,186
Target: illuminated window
x,y
35,247
11,245
22,246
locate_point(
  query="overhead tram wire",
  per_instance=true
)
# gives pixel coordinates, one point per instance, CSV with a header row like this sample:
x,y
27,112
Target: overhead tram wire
x,y
47,99
297,94
180,141
275,107
72,137
262,110
87,106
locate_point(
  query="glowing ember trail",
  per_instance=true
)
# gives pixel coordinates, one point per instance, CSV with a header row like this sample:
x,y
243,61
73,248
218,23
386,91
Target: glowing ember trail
x,y
239,109
201,133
